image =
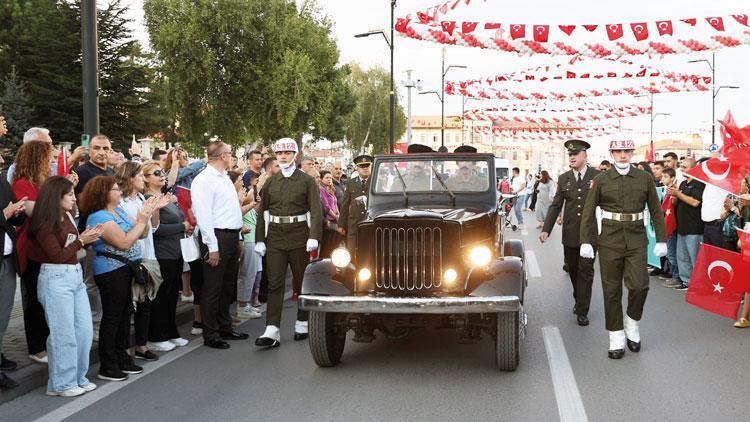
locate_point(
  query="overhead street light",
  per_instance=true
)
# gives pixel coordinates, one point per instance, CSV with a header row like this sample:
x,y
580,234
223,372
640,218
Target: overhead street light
x,y
714,92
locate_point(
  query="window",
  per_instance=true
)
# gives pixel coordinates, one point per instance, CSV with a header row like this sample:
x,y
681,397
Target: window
x,y
515,155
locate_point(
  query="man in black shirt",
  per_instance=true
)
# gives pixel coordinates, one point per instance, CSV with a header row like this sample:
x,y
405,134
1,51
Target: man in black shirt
x,y
99,150
687,204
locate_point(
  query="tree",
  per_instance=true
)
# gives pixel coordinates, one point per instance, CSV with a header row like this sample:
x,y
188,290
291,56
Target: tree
x,y
368,125
14,106
248,71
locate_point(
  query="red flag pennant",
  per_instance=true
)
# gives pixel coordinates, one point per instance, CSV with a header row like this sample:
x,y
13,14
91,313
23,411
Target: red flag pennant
x,y
641,74
611,74
744,238
717,23
570,75
670,220
517,31
568,29
640,30
691,22
614,31
734,138
491,25
402,24
468,27
742,19
541,33
725,173
590,28
448,26
715,285
585,76
62,163
423,17
664,27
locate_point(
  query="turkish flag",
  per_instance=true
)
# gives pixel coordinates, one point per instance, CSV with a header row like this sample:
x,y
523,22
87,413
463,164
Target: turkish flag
x,y
670,220
614,31
570,75
691,21
734,137
725,173
448,26
517,31
742,19
641,74
568,29
401,24
664,27
62,163
492,25
541,33
185,203
640,30
468,27
590,28
717,23
718,281
744,244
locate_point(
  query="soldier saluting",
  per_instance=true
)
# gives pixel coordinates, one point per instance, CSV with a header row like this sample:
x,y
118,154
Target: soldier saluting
x,y
622,192
354,207
572,188
291,200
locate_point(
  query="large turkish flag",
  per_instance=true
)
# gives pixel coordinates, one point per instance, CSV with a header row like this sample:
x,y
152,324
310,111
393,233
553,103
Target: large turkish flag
x,y
725,172
718,281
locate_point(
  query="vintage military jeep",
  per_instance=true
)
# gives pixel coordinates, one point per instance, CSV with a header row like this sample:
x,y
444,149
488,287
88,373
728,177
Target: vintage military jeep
x,y
430,254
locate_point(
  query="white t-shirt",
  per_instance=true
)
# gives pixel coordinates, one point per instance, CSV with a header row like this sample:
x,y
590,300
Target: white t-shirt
x,y
8,246
518,184
712,203
132,206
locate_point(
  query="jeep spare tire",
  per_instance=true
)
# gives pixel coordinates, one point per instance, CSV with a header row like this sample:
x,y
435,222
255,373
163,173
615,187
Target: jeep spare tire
x,y
326,341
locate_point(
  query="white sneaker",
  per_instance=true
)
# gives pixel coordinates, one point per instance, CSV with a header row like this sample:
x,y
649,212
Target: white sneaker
x,y
179,341
88,387
248,312
70,392
188,299
38,359
161,346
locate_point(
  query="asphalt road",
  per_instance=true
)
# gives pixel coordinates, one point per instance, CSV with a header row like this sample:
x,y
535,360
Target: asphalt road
x,y
691,368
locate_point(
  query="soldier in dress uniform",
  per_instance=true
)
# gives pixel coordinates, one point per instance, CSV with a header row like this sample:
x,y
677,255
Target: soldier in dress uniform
x,y
354,207
288,219
572,188
622,192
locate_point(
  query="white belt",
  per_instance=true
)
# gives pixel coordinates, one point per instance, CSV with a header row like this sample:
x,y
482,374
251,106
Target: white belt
x,y
622,216
287,219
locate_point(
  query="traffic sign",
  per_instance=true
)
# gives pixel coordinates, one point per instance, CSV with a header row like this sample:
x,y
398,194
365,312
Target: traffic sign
x,y
713,148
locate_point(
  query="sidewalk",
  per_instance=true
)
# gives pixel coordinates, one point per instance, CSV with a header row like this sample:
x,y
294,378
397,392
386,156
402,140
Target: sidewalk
x,y
31,375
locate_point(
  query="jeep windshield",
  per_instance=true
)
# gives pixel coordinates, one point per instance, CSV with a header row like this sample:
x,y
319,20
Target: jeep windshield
x,y
425,175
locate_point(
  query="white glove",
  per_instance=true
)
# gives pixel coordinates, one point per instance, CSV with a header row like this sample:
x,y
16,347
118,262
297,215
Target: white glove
x,y
260,248
312,244
587,251
660,249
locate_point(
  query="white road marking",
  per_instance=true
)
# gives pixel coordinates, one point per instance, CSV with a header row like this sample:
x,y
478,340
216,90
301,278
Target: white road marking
x,y
532,264
569,404
524,232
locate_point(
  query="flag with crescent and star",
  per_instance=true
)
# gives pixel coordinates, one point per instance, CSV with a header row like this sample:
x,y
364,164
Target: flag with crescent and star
x,y
670,220
718,281
726,173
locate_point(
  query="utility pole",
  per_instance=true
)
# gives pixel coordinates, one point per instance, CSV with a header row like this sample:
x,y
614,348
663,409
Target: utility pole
x,y
409,84
393,94
90,68
714,92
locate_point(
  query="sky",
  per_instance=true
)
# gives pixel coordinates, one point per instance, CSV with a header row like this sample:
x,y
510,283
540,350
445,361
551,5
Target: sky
x,y
688,111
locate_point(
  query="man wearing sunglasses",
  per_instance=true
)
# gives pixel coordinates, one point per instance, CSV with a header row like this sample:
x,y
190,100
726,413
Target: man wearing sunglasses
x,y
354,207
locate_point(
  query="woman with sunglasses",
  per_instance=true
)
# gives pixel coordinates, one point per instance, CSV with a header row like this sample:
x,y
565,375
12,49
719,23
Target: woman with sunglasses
x,y
172,228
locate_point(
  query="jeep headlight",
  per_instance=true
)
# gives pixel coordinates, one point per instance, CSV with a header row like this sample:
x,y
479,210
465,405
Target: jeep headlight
x,y
341,257
480,256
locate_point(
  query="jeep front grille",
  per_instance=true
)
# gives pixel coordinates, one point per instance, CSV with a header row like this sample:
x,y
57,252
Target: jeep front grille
x,y
408,259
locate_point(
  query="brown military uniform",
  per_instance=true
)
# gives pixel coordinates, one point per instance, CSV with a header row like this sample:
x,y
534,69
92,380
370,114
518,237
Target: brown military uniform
x,y
353,211
622,244
571,196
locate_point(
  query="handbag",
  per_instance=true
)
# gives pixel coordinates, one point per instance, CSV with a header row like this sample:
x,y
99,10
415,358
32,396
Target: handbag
x,y
140,273
189,247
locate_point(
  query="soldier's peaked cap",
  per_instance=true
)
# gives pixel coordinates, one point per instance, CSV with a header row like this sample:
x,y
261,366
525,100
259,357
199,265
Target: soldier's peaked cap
x,y
466,149
418,148
575,146
363,159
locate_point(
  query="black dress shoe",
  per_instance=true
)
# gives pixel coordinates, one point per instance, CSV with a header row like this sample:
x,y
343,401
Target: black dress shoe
x,y
583,320
216,344
7,364
234,335
634,347
300,336
6,382
616,354
267,342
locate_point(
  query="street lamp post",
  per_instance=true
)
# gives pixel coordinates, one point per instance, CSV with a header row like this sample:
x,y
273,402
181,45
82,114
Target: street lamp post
x,y
714,92
90,59
409,84
463,112
389,41
441,97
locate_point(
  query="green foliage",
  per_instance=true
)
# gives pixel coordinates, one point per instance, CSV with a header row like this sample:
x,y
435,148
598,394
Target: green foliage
x,y
248,70
368,125
14,106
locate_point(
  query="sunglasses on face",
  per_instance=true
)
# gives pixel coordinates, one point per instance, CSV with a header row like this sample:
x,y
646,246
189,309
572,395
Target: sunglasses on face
x,y
157,173
363,165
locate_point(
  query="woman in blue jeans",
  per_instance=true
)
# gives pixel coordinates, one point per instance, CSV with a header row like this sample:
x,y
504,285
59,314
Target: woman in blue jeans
x,y
61,290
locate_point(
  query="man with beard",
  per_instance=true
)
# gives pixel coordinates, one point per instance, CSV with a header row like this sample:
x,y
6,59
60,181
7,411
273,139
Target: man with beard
x,y
622,192
572,188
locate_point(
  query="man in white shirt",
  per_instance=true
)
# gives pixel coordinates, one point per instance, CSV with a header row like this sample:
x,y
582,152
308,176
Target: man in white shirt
x,y
711,207
518,184
217,210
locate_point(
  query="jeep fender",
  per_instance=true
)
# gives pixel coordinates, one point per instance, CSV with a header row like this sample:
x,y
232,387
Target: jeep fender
x,y
504,277
514,247
323,278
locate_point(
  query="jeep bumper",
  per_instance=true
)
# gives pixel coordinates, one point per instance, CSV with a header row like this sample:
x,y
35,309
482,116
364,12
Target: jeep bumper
x,y
409,305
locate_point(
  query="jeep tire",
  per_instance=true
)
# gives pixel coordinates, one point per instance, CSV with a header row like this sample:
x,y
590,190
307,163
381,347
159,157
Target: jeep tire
x,y
507,341
326,343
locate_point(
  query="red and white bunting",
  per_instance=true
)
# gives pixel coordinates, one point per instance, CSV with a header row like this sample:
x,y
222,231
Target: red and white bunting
x,y
659,37
555,118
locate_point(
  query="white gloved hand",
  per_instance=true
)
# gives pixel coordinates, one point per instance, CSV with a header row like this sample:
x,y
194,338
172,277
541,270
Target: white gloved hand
x,y
260,248
660,249
312,244
587,251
